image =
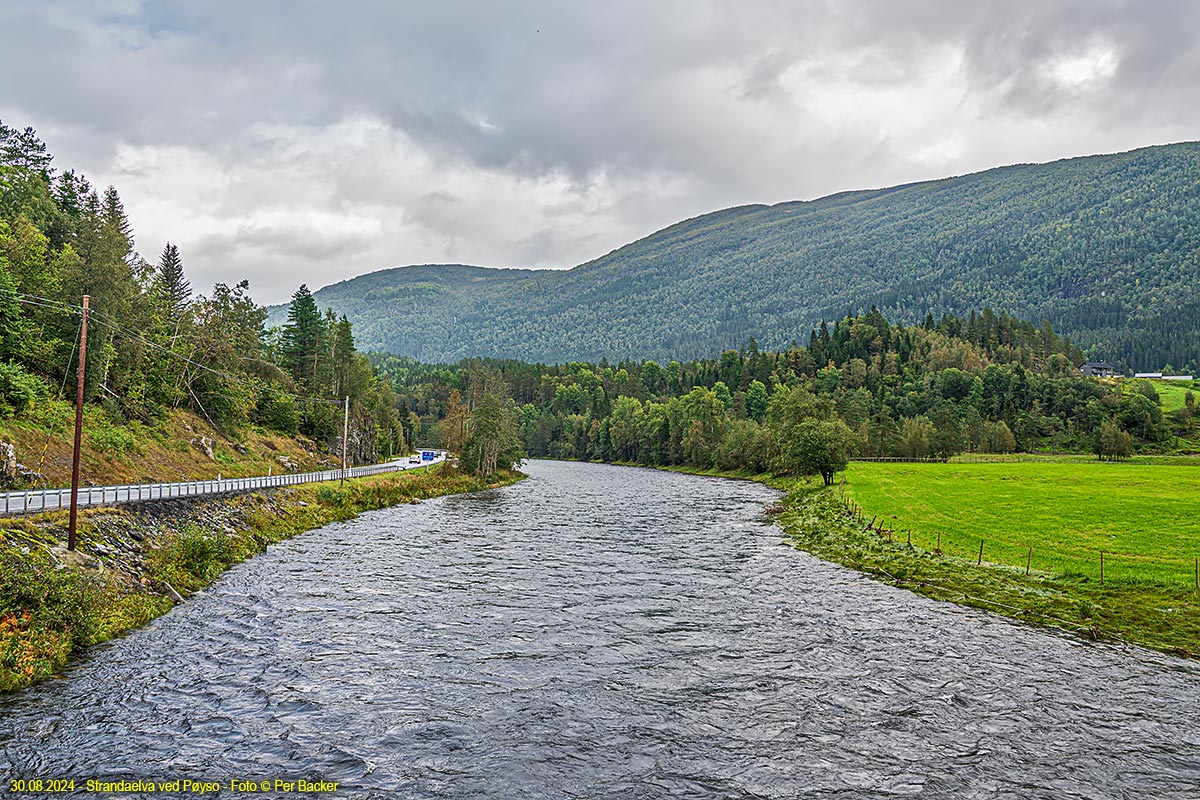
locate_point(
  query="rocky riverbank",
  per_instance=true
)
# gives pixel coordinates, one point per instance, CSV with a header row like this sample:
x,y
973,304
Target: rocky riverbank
x,y
135,563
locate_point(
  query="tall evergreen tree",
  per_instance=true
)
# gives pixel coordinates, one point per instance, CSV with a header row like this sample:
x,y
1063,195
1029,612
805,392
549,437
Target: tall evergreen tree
x,y
115,218
342,341
302,336
173,287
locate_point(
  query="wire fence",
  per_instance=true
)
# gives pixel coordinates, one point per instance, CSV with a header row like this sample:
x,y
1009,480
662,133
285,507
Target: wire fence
x,y
34,501
903,459
1022,458
1100,564
1181,459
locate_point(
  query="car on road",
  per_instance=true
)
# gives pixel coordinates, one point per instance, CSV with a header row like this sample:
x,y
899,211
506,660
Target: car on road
x,y
414,459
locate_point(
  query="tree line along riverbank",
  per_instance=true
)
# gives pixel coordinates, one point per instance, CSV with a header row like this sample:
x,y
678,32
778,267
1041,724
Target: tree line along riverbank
x,y
135,563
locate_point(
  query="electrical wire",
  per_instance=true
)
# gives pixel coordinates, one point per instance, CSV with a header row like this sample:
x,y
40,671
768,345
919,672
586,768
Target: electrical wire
x,y
61,393
116,327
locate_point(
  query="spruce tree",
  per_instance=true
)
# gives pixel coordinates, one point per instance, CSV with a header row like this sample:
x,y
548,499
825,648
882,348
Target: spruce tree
x,y
114,216
173,287
302,336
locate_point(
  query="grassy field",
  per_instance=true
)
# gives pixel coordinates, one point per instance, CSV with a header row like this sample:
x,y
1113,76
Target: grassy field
x,y
1173,394
1145,518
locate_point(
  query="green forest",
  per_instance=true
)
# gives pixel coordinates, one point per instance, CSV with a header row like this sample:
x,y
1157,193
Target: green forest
x,y
152,345
1103,247
863,387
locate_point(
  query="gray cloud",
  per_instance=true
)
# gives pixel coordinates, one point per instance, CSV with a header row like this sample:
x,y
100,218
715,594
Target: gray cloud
x,y
309,141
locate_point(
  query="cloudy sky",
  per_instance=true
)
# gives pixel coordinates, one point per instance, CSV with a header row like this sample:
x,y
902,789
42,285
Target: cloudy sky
x,y
293,142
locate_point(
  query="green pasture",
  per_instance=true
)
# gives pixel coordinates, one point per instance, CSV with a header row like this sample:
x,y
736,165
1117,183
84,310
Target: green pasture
x,y
1144,517
1172,394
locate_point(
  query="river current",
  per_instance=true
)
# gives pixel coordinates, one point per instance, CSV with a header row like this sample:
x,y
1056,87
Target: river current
x,y
602,632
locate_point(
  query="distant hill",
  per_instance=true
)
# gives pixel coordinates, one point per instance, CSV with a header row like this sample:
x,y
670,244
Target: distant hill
x,y
1104,247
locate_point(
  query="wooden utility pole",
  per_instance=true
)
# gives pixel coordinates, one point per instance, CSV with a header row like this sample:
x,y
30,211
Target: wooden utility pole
x,y
345,437
78,425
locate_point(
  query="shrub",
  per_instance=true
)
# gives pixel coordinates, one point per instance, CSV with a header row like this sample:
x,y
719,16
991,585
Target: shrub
x,y
192,558
105,437
54,599
19,389
277,412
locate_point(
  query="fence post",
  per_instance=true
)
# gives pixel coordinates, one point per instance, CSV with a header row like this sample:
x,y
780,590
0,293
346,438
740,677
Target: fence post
x,y
980,559
1101,567
1028,558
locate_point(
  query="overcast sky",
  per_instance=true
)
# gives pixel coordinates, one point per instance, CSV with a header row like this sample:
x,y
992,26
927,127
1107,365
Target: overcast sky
x,y
290,142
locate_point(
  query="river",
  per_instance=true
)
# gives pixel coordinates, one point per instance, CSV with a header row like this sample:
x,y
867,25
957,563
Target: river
x,y
602,632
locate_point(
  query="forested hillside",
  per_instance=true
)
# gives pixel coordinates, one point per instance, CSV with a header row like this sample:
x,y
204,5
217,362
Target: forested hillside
x,y
985,384
1105,248
154,348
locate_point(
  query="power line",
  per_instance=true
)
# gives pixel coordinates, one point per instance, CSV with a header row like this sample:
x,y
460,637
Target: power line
x,y
116,327
61,392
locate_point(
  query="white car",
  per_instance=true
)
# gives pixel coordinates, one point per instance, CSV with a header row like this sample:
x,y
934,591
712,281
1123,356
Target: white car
x,y
414,459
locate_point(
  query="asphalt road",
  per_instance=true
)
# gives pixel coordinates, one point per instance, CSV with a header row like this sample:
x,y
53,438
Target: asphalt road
x,y
34,501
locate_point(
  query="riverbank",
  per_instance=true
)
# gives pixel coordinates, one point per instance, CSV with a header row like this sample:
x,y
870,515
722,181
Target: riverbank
x,y
818,520
135,563
1165,618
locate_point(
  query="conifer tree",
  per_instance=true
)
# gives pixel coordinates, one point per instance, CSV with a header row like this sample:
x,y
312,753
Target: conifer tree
x,y
302,336
173,287
115,218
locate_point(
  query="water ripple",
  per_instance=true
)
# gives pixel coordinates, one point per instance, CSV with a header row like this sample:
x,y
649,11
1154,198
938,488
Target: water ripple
x,y
604,632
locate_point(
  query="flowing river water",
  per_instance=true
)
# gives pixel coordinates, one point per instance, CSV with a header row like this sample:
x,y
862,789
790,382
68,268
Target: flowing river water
x,y
602,632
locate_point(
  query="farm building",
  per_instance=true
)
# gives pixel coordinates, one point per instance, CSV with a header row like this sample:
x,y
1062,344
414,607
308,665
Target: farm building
x,y
1098,369
1157,376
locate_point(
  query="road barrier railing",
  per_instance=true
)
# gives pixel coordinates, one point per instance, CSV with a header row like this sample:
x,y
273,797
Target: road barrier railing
x,y
33,501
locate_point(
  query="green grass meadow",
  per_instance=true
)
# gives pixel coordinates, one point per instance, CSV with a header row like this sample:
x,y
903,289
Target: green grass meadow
x,y
1144,517
1172,395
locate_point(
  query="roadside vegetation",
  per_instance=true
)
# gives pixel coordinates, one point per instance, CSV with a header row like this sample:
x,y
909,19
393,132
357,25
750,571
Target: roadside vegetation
x,y
160,359
135,565
176,445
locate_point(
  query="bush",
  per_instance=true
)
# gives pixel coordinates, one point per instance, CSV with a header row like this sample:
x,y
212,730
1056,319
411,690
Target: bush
x,y
329,496
58,600
191,558
277,412
321,420
19,389
111,439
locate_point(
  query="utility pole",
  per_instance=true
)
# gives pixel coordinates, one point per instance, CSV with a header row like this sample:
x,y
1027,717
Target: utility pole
x,y
78,425
345,437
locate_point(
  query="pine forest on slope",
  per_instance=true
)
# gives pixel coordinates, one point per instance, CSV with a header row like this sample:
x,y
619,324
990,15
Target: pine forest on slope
x,y
1103,247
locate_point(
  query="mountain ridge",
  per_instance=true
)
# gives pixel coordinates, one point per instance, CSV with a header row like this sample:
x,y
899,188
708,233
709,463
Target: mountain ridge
x,y
1104,247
